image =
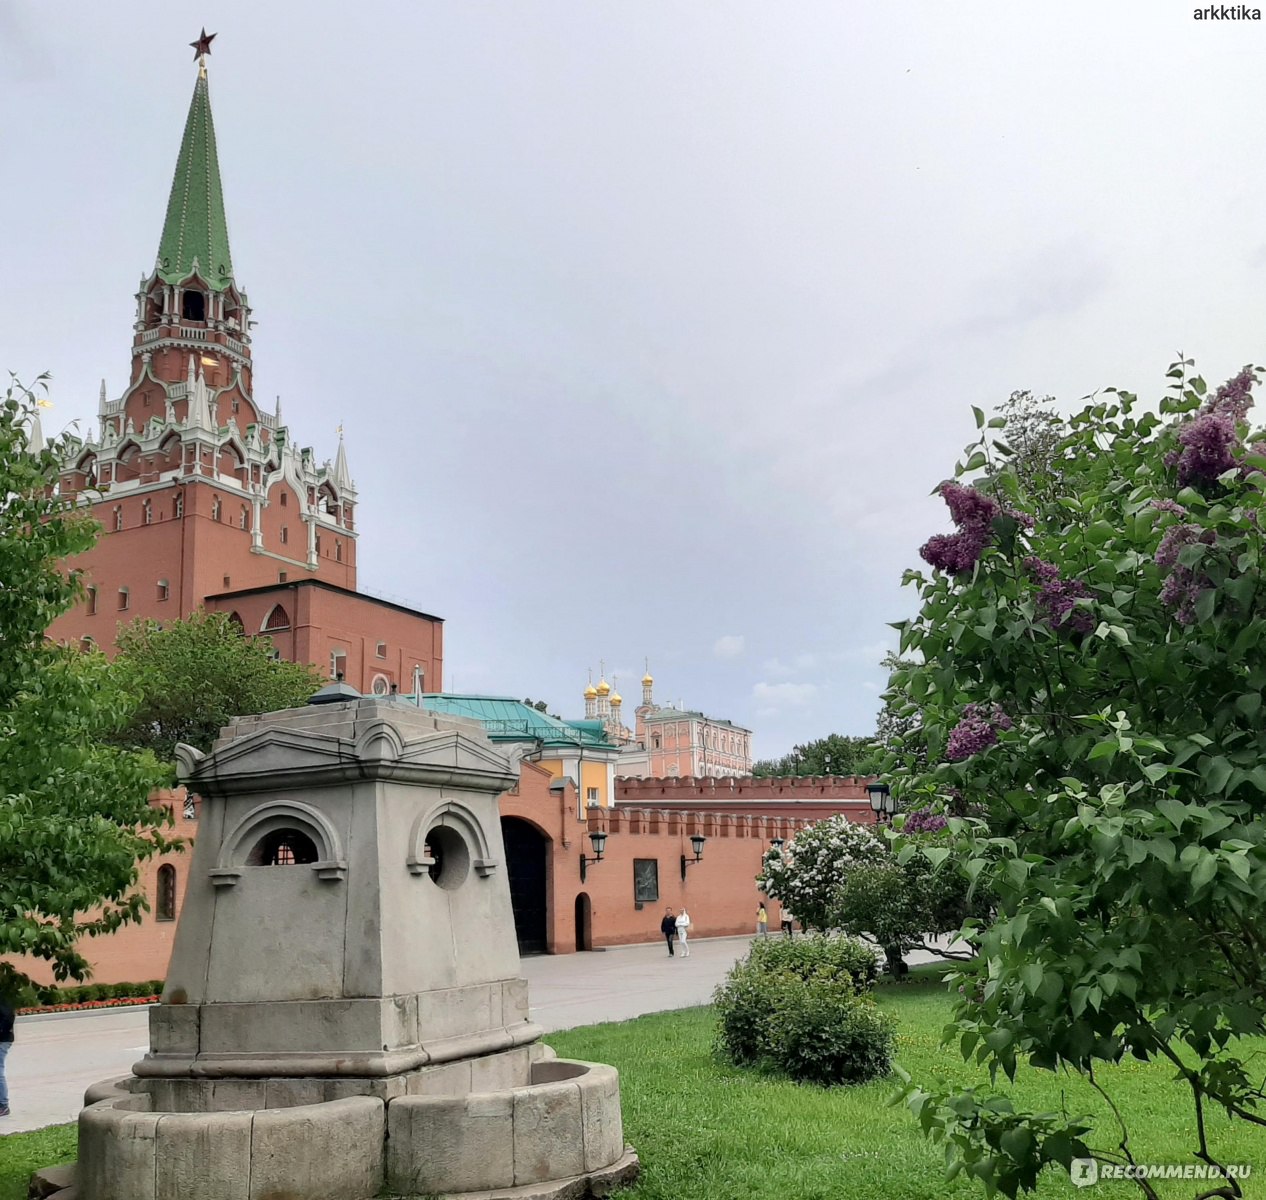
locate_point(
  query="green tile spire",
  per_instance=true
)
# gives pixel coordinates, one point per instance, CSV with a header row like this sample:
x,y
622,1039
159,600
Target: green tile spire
x,y
195,233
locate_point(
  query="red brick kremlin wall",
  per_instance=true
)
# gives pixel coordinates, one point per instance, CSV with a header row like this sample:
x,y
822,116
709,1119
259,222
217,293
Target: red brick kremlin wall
x,y
719,891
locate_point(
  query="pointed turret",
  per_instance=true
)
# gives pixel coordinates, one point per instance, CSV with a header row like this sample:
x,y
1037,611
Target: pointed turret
x,y
101,401
196,233
35,439
342,477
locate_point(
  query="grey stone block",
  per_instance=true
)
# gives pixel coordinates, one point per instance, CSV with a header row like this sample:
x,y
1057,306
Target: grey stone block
x,y
331,1151
548,1133
108,1089
117,1150
384,1089
291,1093
452,1012
204,1156
600,1114
173,1029
50,1180
436,1144
501,1072
444,1079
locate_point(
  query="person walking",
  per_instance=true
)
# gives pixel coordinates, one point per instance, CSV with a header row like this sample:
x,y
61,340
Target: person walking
x,y
7,1016
762,921
683,932
668,927
788,923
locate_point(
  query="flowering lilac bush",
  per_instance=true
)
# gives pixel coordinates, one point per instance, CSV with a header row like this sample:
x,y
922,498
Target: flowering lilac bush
x,y
807,873
1092,704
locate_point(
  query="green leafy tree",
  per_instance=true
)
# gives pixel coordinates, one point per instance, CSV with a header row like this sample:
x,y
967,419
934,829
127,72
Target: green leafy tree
x,y
1091,678
898,728
835,754
74,815
838,875
191,677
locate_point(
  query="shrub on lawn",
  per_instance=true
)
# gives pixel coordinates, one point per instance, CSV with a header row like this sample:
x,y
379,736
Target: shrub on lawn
x,y
823,1035
840,958
801,1006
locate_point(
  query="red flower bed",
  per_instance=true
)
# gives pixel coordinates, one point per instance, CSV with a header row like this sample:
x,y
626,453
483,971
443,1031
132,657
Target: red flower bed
x,y
123,1002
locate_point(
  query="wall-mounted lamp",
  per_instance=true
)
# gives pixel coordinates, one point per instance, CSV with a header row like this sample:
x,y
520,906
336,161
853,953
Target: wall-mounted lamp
x,y
696,841
599,840
776,844
882,802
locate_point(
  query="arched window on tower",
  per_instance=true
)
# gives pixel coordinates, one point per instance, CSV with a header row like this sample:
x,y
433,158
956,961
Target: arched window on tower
x,y
118,517
277,620
148,511
193,306
165,902
178,507
216,509
244,519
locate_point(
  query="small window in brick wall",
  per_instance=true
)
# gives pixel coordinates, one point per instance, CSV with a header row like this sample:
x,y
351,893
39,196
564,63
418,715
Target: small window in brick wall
x,y
165,906
164,589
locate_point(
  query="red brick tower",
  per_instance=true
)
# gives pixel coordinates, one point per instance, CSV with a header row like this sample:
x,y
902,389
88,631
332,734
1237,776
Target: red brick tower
x,y
203,498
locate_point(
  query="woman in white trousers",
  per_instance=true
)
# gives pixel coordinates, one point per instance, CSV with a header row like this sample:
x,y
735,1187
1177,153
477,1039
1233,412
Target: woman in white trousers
x,y
683,930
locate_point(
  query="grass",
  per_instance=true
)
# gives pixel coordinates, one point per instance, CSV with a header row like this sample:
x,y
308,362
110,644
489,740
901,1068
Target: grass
x,y
705,1129
22,1153
709,1131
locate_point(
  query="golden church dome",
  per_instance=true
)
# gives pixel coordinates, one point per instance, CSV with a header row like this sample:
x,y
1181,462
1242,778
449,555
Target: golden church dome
x,y
603,688
647,680
616,698
590,692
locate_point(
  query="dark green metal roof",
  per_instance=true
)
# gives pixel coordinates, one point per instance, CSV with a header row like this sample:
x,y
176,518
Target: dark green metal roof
x,y
196,233
508,720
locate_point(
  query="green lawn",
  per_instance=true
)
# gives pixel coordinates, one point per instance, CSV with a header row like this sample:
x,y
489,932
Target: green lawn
x,y
712,1132
706,1130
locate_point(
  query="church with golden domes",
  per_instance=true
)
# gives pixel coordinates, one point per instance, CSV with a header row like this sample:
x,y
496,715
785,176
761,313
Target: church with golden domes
x,y
668,741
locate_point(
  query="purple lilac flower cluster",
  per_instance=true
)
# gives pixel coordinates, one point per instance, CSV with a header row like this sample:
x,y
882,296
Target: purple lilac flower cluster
x,y
923,821
976,730
1183,584
1209,440
973,513
1165,505
1056,598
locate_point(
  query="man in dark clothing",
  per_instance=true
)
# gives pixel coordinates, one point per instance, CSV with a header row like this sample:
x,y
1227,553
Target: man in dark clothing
x,y
668,927
6,1040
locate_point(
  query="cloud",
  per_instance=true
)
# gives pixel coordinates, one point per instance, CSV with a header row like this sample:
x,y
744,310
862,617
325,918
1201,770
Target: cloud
x,y
793,666
775,697
730,646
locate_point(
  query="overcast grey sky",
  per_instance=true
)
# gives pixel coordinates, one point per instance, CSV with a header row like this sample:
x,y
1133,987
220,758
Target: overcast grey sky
x,y
652,324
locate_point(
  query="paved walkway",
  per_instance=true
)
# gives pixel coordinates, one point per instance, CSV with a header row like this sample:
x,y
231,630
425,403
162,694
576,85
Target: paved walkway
x,y
55,1057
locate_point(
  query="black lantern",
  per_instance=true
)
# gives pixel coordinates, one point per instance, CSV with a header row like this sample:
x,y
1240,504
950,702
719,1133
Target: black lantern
x,y
776,844
882,803
696,842
599,840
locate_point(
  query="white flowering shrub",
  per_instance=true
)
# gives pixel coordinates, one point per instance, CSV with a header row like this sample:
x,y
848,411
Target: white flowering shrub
x,y
808,873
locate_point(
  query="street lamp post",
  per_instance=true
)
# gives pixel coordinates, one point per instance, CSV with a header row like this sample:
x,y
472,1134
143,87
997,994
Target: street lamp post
x,y
883,804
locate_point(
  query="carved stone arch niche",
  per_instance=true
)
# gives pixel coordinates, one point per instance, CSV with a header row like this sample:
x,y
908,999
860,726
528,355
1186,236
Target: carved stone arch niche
x,y
446,842
281,833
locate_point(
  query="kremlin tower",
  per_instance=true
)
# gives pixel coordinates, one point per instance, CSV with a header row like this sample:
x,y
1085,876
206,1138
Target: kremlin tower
x,y
203,496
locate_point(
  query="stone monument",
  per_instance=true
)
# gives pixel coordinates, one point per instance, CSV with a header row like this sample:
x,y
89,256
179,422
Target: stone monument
x,y
343,1016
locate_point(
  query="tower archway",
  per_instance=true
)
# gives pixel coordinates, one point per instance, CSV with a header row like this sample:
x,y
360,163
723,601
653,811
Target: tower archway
x,y
527,858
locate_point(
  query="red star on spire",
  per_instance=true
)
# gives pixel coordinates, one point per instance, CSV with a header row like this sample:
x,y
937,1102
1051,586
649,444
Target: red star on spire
x,y
203,45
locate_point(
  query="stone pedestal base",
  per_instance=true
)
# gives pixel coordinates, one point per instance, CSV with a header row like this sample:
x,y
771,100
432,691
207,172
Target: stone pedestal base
x,y
556,1136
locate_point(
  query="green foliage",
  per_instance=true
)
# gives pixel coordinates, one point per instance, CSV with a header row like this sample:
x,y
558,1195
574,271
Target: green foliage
x,y
832,958
831,755
808,873
193,676
800,1006
74,815
826,1035
744,1006
1113,619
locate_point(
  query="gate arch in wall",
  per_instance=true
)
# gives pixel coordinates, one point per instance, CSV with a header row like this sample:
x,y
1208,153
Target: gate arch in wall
x,y
527,866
